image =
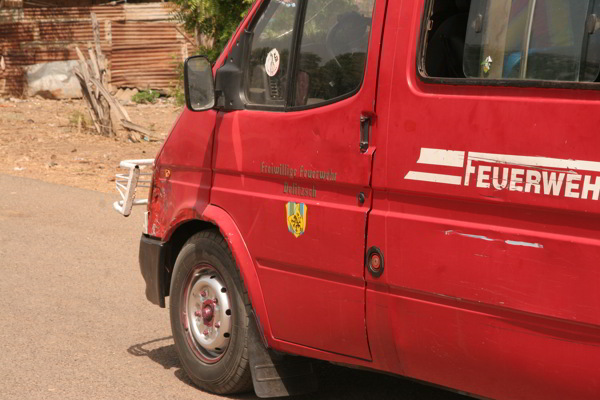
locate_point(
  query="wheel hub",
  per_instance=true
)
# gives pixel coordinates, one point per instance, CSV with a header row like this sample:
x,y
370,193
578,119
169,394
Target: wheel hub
x,y
207,315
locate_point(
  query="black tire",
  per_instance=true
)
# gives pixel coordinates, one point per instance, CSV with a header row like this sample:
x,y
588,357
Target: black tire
x,y
204,260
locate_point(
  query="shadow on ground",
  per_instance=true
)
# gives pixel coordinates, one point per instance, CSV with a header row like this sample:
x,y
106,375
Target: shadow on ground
x,y
334,382
166,356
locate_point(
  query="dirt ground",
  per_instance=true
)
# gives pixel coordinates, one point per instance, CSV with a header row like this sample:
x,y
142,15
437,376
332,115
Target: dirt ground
x,y
43,139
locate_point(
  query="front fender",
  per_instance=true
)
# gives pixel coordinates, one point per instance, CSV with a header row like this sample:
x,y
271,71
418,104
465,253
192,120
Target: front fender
x,y
246,265
183,174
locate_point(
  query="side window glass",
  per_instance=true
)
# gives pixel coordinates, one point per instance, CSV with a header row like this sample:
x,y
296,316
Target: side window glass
x,y
267,70
548,40
532,40
333,49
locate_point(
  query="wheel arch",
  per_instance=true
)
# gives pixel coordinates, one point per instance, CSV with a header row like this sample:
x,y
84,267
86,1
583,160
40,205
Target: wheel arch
x,y
214,217
176,239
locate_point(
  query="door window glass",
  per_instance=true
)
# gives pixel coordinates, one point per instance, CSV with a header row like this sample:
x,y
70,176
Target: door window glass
x,y
333,49
267,69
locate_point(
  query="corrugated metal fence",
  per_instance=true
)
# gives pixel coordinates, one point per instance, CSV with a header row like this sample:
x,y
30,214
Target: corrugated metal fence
x,y
142,44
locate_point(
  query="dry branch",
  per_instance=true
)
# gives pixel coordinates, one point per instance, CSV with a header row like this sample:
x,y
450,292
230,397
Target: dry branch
x,y
140,129
90,99
99,106
93,82
111,99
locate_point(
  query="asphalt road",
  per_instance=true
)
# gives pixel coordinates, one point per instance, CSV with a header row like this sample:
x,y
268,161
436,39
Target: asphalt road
x,y
74,321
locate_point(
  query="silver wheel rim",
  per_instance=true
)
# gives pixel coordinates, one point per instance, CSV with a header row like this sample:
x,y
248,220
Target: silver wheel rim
x,y
206,313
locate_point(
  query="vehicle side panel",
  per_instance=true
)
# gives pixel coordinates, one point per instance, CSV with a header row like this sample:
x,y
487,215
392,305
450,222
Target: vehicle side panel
x,y
495,355
491,291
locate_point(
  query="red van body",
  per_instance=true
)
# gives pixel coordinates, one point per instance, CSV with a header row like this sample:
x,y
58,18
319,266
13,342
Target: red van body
x,y
479,203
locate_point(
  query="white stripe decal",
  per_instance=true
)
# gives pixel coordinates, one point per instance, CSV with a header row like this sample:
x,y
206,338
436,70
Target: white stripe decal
x,y
446,158
435,178
543,162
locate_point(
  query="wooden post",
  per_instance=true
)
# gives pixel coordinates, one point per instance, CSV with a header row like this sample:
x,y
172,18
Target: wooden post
x,y
108,36
96,31
184,52
101,59
96,71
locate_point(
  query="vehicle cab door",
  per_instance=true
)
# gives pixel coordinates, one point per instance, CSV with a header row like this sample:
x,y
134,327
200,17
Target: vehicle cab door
x,y
290,169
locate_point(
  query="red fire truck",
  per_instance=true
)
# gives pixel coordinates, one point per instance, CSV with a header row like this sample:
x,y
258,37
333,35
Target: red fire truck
x,y
404,186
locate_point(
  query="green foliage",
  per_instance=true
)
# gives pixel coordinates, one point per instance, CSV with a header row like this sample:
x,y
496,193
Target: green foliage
x,y
213,21
146,96
178,91
77,119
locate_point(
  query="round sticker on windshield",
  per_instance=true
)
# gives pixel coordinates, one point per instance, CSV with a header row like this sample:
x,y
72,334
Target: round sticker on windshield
x,y
272,63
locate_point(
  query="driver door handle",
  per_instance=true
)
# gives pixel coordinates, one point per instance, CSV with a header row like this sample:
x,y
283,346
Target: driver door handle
x,y
365,132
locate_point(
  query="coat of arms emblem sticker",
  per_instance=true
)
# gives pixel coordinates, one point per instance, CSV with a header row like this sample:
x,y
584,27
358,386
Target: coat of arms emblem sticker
x,y
296,218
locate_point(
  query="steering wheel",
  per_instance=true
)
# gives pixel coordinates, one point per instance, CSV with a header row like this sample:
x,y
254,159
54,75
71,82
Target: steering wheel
x,y
348,35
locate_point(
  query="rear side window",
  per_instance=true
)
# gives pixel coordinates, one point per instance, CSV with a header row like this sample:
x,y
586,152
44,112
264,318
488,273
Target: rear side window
x,y
538,40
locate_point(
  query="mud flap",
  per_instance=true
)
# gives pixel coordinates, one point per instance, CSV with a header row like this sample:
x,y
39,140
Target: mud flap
x,y
277,375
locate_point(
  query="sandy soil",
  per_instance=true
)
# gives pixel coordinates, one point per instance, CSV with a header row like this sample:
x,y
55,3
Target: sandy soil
x,y
41,139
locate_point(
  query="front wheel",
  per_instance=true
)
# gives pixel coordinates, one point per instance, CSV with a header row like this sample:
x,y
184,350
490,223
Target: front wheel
x,y
209,315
